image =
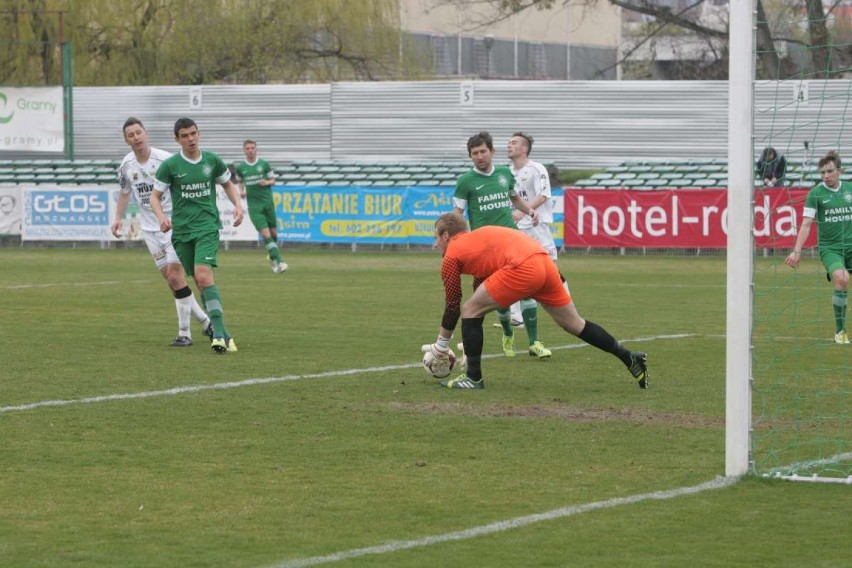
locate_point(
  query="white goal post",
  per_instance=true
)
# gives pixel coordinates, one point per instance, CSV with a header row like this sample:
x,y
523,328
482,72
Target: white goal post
x,y
738,365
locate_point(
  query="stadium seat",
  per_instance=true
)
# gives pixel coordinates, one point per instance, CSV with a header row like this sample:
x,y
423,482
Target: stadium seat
x,y
662,168
706,182
633,182
640,169
65,178
711,168
609,183
587,182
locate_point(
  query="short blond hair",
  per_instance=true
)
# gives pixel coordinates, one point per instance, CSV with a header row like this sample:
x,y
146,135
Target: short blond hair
x,y
452,223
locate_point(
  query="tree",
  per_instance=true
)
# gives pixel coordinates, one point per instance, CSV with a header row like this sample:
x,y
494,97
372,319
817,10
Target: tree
x,y
157,42
774,27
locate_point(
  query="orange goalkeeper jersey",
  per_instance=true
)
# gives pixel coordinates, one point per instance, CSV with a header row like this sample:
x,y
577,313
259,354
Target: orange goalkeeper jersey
x,y
481,253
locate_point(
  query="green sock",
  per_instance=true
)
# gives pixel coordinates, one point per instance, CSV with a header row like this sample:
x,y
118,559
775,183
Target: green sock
x,y
529,311
839,302
272,249
505,317
213,303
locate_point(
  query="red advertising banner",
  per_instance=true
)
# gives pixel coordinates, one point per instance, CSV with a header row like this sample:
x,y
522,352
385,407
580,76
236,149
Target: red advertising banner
x,y
677,218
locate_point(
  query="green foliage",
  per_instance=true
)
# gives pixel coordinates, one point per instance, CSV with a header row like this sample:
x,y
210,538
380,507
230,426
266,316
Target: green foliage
x,y
337,460
164,42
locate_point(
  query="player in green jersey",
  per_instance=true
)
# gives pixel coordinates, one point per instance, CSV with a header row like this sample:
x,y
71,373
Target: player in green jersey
x,y
829,203
488,192
191,177
256,177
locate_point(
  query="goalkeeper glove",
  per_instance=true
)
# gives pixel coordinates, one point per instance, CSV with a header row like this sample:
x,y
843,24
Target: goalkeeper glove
x,y
437,351
461,360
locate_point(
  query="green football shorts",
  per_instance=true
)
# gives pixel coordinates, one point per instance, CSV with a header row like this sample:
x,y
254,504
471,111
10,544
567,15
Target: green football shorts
x,y
263,216
197,249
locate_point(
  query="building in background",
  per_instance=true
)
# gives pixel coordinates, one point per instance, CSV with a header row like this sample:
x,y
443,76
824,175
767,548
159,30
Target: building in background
x,y
565,42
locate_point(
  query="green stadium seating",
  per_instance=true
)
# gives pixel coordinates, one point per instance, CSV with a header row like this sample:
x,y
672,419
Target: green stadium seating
x,y
609,183
662,168
640,168
711,168
65,178
587,182
634,182
706,182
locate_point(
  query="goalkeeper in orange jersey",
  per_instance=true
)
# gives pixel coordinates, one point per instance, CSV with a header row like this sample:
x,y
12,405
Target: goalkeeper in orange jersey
x,y
511,266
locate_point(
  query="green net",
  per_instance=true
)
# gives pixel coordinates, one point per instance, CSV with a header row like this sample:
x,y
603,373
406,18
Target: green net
x,y
802,378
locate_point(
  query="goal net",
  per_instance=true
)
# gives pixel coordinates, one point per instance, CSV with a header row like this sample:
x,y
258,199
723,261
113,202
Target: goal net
x,y
801,392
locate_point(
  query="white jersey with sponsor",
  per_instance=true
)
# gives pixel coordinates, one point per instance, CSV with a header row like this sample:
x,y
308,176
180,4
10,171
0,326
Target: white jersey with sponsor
x,y
532,180
139,180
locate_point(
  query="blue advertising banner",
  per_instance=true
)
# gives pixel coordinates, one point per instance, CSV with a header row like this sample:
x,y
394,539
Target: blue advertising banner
x,y
58,213
309,214
365,215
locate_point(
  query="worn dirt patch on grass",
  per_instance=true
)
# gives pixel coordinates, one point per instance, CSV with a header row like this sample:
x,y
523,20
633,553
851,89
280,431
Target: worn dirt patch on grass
x,y
564,412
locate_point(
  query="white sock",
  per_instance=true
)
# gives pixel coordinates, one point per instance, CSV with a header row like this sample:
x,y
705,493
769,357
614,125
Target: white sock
x,y
198,312
516,312
183,308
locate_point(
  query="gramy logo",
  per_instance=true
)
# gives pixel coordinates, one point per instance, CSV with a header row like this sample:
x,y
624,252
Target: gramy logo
x,y
5,119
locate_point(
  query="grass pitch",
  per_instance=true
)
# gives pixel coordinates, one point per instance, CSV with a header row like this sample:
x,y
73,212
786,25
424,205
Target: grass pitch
x,y
349,445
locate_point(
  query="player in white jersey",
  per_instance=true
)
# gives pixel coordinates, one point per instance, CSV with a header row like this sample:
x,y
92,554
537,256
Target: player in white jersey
x,y
532,183
136,179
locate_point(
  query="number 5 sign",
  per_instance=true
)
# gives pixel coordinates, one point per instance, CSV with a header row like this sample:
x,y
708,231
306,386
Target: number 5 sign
x,y
195,98
466,94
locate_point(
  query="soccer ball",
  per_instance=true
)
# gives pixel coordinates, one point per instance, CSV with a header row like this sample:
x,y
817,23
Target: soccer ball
x,y
438,368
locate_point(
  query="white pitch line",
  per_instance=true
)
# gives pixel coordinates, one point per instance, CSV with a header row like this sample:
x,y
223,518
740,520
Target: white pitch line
x,y
501,526
77,284
263,381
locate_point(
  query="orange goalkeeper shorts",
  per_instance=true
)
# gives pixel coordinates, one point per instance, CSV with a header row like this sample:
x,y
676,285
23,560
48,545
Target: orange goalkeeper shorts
x,y
537,277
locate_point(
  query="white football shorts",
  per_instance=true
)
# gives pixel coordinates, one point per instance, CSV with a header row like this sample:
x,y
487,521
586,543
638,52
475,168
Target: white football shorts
x,y
161,248
541,233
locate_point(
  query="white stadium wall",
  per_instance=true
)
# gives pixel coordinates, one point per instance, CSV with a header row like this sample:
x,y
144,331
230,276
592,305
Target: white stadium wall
x,y
575,123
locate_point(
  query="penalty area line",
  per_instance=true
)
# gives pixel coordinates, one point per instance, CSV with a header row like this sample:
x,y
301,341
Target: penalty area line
x,y
502,526
260,381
